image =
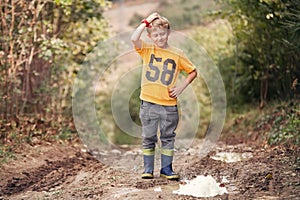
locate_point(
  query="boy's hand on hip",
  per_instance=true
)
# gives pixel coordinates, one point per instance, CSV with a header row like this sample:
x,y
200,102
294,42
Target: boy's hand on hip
x,y
175,92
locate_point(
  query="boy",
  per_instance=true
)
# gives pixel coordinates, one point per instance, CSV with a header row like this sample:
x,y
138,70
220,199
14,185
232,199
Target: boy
x,y
161,66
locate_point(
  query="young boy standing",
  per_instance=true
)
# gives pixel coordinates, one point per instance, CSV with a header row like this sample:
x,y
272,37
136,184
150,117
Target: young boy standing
x,y
161,66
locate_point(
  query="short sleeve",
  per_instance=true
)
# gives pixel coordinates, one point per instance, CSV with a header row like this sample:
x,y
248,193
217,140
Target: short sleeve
x,y
186,65
145,47
139,50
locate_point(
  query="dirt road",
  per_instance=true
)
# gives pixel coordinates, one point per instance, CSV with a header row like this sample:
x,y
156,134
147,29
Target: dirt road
x,y
122,13
65,171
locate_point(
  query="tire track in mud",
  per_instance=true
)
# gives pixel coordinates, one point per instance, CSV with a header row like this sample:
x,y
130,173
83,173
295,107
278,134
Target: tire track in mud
x,y
49,175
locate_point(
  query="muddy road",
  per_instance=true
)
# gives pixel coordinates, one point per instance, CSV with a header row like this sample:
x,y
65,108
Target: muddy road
x,y
65,171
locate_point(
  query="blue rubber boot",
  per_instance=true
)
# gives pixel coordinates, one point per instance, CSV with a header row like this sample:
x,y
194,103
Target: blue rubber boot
x,y
166,164
148,155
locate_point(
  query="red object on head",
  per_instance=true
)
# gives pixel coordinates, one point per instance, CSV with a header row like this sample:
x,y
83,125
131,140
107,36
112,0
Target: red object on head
x,y
147,23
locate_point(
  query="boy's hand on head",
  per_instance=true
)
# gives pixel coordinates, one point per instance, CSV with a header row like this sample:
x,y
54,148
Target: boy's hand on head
x,y
152,17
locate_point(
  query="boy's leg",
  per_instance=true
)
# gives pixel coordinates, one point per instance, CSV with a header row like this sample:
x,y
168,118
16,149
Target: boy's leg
x,y
148,156
169,122
149,120
166,163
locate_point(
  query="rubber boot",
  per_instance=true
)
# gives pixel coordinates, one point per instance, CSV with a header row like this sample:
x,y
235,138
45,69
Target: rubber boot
x,y
166,165
148,155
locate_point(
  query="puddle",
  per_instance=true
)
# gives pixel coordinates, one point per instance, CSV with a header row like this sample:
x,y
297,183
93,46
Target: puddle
x,y
158,189
230,157
201,186
167,188
121,193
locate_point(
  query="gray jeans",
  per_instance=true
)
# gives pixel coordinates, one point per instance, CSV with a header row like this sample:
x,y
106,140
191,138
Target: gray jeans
x,y
153,116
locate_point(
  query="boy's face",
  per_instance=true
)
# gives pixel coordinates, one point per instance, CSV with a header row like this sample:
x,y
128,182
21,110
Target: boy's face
x,y
160,37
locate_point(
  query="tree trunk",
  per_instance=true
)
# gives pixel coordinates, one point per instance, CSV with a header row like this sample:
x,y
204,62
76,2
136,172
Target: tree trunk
x,y
264,85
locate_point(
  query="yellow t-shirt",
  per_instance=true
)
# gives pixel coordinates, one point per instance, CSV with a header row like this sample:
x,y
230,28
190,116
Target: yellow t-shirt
x,y
161,68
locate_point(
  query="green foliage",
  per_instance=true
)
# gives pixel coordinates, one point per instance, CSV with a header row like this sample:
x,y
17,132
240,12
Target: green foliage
x,y
121,138
121,102
67,134
134,106
280,124
285,125
217,39
266,53
5,154
277,124
37,40
42,44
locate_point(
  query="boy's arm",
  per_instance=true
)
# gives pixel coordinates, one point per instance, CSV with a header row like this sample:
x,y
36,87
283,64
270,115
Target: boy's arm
x,y
176,91
135,38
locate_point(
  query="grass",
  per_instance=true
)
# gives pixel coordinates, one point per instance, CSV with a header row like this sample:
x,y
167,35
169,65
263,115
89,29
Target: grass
x,y
31,130
6,154
285,121
277,124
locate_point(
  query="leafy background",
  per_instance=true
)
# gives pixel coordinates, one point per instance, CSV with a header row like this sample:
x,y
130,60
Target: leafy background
x,y
254,43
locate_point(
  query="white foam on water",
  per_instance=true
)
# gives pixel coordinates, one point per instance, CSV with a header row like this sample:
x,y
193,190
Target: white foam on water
x,y
225,180
230,157
201,186
157,189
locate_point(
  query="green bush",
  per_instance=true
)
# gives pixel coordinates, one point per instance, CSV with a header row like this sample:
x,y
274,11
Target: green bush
x,y
285,123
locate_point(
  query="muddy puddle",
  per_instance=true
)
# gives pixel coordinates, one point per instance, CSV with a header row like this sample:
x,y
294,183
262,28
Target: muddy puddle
x,y
201,186
207,186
